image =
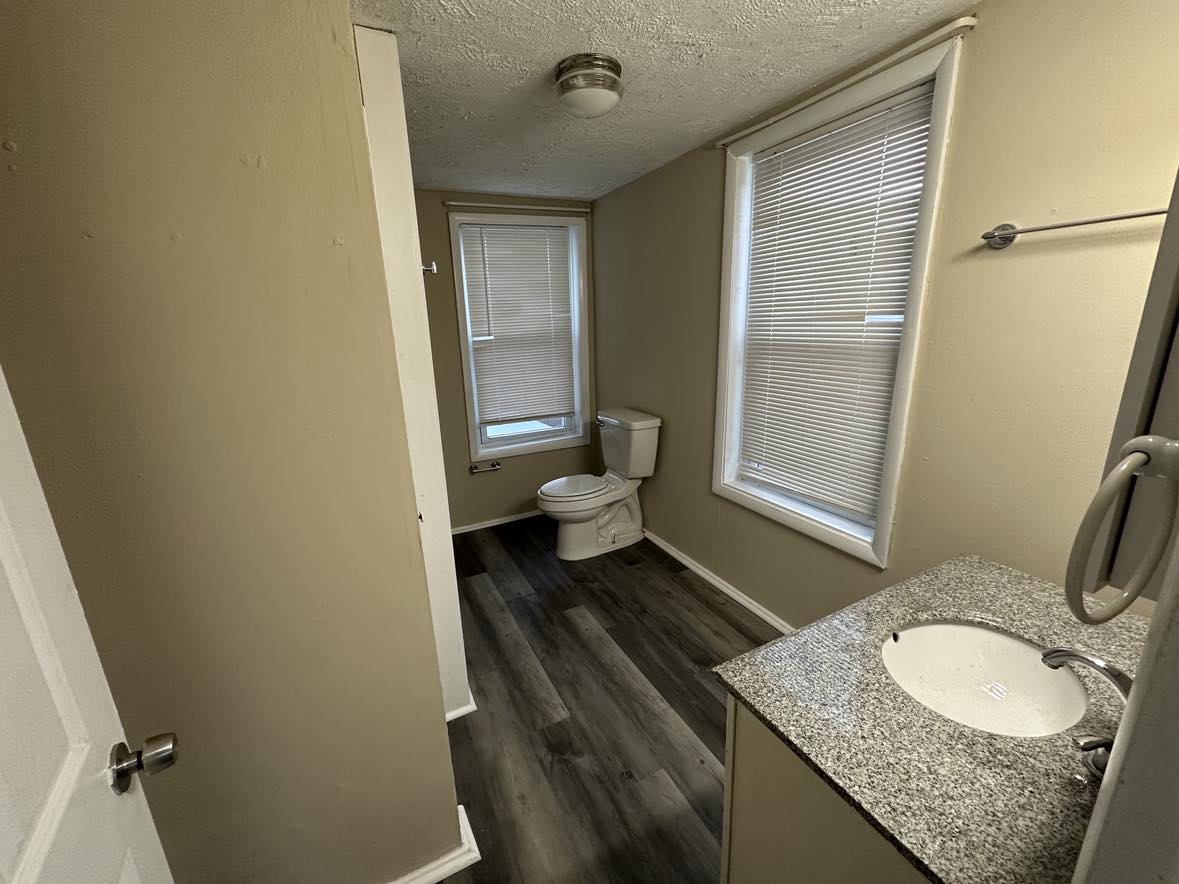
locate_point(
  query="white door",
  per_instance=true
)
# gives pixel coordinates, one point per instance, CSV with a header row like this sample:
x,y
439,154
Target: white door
x,y
60,820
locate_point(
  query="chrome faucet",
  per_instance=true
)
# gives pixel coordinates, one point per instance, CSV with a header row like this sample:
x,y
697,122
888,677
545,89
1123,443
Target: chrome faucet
x,y
1095,750
1054,658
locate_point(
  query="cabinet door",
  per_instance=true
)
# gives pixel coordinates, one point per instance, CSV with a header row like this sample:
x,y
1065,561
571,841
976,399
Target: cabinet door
x,y
784,824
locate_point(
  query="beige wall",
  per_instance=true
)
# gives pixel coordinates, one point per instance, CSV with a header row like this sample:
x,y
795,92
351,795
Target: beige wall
x,y
484,496
1022,352
197,336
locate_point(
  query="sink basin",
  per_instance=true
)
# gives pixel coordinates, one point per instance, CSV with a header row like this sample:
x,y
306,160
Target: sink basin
x,y
984,678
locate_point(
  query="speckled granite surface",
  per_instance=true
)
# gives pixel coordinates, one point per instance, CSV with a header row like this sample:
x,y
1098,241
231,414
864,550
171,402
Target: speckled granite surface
x,y
964,805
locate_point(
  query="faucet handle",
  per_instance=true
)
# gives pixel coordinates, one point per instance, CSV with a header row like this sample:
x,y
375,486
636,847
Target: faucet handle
x,y
1089,742
1095,752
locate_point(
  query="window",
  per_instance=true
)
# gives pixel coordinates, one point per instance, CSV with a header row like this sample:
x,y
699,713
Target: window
x,y
829,214
521,290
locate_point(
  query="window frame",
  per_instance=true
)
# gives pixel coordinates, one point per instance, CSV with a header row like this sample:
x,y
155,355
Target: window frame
x,y
579,289
871,544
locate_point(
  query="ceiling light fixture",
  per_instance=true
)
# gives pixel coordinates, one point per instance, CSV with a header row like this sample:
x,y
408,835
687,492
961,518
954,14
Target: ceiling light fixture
x,y
588,84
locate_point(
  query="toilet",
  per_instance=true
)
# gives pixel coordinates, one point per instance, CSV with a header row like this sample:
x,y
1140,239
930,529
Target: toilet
x,y
599,513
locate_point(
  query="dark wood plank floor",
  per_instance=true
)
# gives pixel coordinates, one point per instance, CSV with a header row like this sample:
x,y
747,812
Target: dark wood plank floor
x,y
596,753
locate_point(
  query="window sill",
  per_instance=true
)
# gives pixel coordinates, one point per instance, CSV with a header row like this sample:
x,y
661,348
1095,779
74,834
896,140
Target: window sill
x,y
843,534
510,449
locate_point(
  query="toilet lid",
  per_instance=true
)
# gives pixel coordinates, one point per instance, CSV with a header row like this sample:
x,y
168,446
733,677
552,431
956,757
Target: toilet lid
x,y
583,485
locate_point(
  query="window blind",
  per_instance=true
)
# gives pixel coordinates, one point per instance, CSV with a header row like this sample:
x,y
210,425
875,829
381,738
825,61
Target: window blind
x,y
833,224
520,307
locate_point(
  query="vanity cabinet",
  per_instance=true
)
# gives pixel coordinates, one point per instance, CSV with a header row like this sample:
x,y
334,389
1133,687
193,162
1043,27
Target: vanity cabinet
x,y
783,823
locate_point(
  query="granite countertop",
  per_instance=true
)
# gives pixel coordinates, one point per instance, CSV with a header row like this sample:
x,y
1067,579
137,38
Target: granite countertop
x,y
962,804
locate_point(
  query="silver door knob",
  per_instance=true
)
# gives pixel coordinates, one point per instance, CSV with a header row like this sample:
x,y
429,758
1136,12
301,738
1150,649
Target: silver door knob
x,y
158,753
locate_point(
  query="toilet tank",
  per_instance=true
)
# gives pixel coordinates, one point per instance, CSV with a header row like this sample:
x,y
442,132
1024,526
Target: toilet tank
x,y
629,439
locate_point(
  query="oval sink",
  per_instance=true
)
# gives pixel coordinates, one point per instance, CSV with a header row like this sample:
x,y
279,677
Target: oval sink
x,y
984,678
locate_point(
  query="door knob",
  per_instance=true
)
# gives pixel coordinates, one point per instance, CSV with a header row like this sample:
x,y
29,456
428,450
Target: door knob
x,y
158,753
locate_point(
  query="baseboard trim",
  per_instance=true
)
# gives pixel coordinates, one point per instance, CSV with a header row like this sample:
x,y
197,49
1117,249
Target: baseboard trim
x,y
466,709
723,585
491,523
451,862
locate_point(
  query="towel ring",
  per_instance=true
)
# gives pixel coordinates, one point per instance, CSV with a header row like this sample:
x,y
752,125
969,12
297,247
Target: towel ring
x,y
1155,456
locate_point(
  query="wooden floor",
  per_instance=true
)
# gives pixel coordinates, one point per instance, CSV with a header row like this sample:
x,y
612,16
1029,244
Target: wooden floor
x,y
596,753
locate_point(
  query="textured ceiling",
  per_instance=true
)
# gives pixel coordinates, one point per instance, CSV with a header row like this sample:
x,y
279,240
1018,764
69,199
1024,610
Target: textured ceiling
x,y
482,110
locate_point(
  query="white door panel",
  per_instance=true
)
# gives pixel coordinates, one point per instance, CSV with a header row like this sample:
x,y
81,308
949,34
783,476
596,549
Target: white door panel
x,y
59,819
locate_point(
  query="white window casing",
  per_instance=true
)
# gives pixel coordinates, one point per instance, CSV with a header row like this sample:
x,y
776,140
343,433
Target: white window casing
x,y
829,217
521,294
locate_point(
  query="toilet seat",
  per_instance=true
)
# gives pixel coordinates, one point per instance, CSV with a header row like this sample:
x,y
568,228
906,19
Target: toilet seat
x,y
596,513
585,496
580,487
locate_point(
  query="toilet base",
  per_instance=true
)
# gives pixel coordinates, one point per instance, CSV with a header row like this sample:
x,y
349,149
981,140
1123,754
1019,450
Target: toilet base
x,y
618,525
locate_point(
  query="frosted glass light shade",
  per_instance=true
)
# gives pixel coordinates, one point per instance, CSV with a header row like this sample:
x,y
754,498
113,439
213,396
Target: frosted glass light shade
x,y
589,101
589,84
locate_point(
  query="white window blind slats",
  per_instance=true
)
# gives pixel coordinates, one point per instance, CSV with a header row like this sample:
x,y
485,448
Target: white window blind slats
x,y
520,309
832,230
807,193
842,227
848,239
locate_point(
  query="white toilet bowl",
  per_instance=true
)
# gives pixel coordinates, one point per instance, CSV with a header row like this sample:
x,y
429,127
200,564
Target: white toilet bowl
x,y
599,513
596,513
